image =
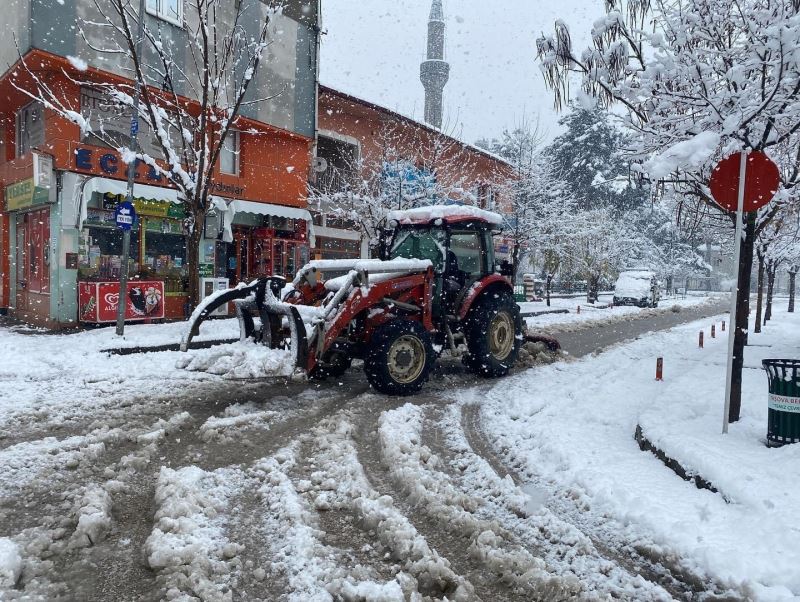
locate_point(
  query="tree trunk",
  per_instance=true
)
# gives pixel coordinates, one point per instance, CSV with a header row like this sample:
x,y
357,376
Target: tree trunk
x,y
548,285
742,317
771,269
760,296
514,263
193,259
594,285
792,278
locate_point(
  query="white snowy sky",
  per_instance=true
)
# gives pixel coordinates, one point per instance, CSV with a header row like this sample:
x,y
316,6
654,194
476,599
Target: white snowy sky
x,y
373,50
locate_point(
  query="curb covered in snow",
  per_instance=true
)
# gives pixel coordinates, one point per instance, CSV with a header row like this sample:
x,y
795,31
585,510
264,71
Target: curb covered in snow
x,y
700,482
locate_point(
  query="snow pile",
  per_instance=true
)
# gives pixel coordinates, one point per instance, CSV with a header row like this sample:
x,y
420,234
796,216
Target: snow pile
x,y
78,63
94,517
685,154
159,431
45,459
580,440
242,359
235,418
188,546
442,212
10,563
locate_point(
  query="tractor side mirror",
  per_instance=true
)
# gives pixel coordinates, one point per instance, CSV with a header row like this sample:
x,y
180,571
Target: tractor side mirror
x,y
506,269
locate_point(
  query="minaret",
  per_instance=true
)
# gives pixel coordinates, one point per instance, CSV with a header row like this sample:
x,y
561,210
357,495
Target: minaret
x,y
434,72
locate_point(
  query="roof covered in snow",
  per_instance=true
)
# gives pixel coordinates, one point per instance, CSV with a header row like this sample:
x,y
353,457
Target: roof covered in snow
x,y
447,213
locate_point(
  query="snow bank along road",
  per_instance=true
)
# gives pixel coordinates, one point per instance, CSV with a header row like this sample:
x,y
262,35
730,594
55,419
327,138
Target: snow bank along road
x,y
184,486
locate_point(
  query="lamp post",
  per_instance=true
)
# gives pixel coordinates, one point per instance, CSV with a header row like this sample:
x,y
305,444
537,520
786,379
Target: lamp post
x,y
126,234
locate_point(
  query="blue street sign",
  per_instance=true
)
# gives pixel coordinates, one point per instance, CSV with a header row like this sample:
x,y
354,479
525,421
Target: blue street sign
x,y
134,126
125,215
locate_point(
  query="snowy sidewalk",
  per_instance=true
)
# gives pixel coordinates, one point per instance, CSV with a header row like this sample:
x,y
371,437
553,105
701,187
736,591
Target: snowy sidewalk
x,y
593,315
572,426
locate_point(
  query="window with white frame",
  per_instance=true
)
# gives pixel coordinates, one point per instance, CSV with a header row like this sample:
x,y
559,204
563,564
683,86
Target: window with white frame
x,y
30,127
229,155
169,10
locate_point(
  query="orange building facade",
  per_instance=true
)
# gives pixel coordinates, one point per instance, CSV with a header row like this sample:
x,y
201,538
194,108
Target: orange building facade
x,y
358,139
61,249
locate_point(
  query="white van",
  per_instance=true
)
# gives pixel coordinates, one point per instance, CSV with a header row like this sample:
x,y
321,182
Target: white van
x,y
637,287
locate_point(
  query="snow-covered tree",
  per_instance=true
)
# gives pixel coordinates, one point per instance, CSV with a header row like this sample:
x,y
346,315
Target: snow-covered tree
x,y
414,167
590,156
188,107
698,79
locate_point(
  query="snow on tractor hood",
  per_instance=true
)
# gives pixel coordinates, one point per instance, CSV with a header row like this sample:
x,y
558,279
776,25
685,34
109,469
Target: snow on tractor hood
x,y
448,213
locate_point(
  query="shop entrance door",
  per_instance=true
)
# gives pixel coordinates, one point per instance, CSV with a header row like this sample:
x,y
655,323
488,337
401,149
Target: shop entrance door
x,y
21,301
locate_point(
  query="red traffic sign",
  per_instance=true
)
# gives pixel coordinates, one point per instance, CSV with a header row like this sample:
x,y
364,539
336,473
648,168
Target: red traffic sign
x,y
761,181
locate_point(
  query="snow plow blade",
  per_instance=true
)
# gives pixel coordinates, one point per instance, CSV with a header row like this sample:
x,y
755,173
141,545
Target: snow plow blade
x,y
257,296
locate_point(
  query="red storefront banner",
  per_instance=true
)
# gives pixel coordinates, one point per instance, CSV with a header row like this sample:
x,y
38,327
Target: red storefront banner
x,y
98,301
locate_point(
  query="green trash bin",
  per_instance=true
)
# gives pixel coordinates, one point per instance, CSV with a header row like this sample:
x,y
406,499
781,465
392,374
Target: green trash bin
x,y
783,421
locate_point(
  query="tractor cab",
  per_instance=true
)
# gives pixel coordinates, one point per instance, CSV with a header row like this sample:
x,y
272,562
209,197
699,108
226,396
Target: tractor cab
x,y
458,242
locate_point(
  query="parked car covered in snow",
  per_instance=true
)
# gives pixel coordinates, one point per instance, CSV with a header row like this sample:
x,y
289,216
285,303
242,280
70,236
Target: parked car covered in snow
x,y
637,287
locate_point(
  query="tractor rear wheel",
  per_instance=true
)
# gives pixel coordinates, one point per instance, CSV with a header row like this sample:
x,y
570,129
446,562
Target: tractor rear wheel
x,y
494,335
400,358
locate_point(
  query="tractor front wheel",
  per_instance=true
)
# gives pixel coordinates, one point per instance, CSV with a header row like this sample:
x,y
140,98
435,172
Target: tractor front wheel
x,y
494,335
400,358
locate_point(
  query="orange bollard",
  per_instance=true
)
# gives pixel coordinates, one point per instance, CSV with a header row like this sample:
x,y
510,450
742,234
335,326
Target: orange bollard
x,y
713,331
660,368
723,326
701,339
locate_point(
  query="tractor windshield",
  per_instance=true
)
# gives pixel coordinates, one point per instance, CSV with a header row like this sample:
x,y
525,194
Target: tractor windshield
x,y
420,244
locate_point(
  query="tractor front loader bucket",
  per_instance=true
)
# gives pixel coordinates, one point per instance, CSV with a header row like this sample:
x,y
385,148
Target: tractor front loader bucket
x,y
258,296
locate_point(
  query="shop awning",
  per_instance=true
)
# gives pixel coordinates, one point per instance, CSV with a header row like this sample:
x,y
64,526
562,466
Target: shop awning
x,y
237,206
78,191
140,191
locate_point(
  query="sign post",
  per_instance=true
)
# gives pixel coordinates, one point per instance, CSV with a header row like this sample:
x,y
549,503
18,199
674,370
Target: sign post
x,y
742,182
126,232
734,296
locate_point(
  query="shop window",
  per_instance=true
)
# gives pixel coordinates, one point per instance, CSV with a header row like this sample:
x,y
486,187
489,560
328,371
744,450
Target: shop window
x,y
30,128
169,10
229,155
157,251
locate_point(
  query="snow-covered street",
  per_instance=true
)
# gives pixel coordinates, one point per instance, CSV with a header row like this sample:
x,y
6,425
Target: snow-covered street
x,y
187,485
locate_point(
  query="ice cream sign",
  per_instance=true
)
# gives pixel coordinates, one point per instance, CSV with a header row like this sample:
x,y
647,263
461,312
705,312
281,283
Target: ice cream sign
x,y
98,301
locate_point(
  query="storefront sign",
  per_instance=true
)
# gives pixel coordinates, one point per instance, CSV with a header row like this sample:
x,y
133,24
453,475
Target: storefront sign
x,y
227,189
25,194
98,301
110,163
152,208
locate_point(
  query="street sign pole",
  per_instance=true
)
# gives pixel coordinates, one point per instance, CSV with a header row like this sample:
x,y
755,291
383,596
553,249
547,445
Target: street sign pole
x,y
126,233
734,295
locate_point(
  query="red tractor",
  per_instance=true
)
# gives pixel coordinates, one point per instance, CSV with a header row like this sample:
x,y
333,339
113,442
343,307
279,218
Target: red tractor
x,y
436,288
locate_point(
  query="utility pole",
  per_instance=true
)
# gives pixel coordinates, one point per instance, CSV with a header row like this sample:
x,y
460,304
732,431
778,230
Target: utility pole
x,y
126,234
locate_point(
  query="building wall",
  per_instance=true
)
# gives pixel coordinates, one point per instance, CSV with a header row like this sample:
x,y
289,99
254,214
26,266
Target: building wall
x,y
286,77
459,168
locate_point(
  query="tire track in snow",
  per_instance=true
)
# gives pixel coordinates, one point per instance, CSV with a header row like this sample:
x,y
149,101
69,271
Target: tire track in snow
x,y
633,557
